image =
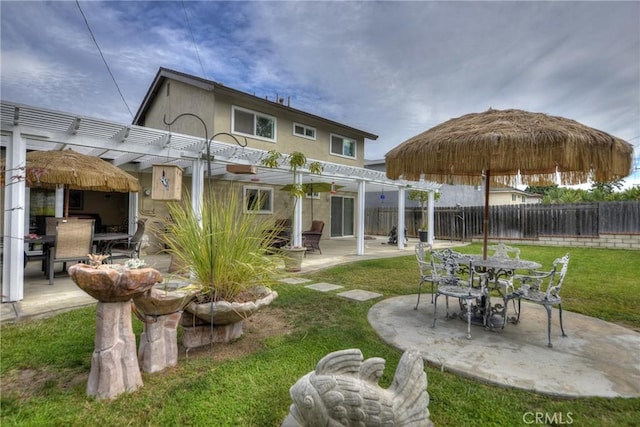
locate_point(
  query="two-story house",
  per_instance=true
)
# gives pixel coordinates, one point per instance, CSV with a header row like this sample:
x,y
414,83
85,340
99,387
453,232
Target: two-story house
x,y
265,125
207,119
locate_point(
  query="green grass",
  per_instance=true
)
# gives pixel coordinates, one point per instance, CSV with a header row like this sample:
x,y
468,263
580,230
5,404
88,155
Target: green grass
x,y
53,357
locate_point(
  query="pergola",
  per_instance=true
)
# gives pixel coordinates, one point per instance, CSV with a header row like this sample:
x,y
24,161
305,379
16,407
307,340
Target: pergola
x,y
137,149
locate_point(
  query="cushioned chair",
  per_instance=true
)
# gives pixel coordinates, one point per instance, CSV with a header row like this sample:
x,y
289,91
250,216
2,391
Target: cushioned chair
x,y
311,238
543,288
129,248
454,280
73,242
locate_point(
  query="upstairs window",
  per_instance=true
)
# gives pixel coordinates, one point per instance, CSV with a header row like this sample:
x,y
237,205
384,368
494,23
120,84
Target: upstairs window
x,y
258,200
343,146
304,131
252,123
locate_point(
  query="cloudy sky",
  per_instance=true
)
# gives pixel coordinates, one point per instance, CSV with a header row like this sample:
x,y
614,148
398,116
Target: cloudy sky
x,y
393,69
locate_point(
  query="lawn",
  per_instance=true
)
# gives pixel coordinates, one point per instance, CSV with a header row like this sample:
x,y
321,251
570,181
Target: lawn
x,y
45,364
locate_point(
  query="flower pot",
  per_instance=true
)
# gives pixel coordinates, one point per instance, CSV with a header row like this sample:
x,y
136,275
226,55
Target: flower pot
x,y
293,258
162,299
423,235
220,321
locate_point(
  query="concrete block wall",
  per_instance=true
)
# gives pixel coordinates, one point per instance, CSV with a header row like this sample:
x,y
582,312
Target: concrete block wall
x,y
605,240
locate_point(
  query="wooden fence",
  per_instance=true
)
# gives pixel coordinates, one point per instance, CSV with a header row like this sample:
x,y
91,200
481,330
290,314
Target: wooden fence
x,y
527,221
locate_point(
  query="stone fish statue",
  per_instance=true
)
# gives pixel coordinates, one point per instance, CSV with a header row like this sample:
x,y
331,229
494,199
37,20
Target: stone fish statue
x,y
344,391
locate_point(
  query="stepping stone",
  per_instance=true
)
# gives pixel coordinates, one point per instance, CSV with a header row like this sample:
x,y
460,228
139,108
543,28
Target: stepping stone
x,y
293,280
359,295
324,287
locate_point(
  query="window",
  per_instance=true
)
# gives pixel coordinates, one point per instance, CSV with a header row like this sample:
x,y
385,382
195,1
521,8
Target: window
x,y
258,199
304,131
343,146
513,197
251,123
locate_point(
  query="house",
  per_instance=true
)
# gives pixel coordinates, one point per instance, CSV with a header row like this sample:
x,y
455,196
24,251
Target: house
x,y
453,195
187,125
512,196
265,125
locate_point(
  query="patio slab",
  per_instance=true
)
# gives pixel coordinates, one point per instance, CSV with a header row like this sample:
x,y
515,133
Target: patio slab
x,y
324,287
359,295
597,358
294,280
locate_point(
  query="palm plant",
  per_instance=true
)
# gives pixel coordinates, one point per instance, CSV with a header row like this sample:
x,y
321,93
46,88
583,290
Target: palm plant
x,y
224,249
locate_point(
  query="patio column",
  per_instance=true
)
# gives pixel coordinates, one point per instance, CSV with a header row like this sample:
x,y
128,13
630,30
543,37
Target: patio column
x,y
401,215
133,213
197,188
59,202
431,216
360,219
297,214
14,217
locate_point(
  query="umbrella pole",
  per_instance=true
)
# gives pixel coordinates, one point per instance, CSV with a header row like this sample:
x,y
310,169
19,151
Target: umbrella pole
x,y
485,221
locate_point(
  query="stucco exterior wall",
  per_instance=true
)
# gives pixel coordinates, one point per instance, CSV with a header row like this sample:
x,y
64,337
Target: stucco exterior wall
x,y
174,98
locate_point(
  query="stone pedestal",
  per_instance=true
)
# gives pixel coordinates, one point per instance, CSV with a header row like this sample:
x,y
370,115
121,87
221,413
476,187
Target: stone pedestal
x,y
114,365
196,332
159,342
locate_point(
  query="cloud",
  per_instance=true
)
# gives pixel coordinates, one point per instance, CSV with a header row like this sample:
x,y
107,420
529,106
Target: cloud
x,y
391,68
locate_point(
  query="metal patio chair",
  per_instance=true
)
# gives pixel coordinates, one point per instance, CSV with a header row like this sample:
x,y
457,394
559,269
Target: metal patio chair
x,y
532,287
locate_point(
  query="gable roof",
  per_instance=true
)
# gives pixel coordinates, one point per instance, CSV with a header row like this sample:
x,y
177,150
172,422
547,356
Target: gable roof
x,y
210,85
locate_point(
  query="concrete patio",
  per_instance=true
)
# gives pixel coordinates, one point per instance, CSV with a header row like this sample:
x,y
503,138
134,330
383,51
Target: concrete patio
x,y
597,358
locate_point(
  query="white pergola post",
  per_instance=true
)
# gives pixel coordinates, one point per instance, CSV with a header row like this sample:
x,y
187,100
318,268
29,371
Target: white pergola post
x,y
14,218
360,220
297,213
401,207
132,213
431,217
59,202
197,188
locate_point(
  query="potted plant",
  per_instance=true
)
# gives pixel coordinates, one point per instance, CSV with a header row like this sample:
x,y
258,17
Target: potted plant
x,y
292,255
422,197
223,250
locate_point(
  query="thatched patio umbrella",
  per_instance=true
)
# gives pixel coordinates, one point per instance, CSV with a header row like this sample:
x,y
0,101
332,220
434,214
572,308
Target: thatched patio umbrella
x,y
500,144
76,171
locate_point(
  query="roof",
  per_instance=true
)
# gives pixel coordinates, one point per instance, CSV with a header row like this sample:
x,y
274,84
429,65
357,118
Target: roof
x,y
165,73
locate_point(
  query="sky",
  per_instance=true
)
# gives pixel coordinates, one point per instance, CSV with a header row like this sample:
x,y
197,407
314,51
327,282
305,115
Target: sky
x,y
394,69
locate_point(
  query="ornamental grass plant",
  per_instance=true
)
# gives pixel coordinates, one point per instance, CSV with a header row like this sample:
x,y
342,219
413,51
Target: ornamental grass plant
x,y
224,249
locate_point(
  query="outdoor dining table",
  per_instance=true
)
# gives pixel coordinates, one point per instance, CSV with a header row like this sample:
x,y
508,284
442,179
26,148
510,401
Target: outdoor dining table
x,y
484,312
98,238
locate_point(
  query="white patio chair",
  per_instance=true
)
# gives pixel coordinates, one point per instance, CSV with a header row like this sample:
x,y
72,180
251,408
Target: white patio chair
x,y
532,287
454,281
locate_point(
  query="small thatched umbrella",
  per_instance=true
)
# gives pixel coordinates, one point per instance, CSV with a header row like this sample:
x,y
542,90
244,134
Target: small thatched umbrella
x,y
500,144
76,171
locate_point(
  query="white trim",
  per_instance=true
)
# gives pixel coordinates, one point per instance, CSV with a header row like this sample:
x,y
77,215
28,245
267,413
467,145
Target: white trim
x,y
355,146
305,128
256,114
260,189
